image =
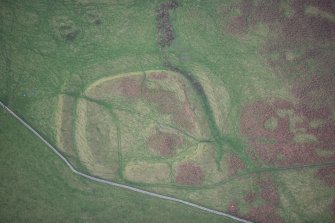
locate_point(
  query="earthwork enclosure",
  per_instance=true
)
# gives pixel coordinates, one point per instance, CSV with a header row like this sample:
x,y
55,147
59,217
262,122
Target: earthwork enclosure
x,y
227,104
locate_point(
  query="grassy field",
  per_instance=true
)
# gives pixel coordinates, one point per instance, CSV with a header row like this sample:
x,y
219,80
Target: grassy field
x,y
229,104
37,186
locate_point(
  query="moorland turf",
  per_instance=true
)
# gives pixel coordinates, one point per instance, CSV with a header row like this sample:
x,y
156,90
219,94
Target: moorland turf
x,y
228,104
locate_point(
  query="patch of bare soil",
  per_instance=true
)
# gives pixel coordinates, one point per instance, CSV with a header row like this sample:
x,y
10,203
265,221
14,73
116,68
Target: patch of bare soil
x,y
189,174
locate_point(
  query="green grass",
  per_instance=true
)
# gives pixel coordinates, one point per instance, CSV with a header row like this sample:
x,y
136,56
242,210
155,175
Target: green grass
x,y
37,65
36,186
308,197
235,63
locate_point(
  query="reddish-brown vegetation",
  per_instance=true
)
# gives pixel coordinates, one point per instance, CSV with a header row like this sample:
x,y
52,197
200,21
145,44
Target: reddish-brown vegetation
x,y
235,164
167,102
261,202
250,197
312,113
185,117
267,11
295,153
282,104
324,63
189,174
298,6
164,101
130,87
158,75
277,146
244,6
253,121
307,29
325,5
253,118
237,25
317,91
163,144
327,175
268,189
316,102
298,32
326,135
189,113
165,34
266,212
